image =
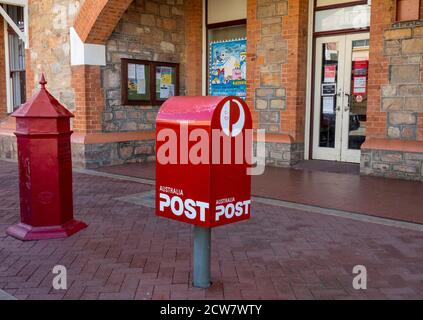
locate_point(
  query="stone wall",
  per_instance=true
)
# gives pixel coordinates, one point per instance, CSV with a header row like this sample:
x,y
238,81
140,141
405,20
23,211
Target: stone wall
x,y
284,154
400,106
276,74
49,23
149,30
392,164
271,53
92,156
402,98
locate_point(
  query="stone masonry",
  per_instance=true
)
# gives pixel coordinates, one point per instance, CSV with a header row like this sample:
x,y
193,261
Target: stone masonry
x,y
276,74
283,154
149,30
92,156
271,54
49,53
402,101
392,164
402,98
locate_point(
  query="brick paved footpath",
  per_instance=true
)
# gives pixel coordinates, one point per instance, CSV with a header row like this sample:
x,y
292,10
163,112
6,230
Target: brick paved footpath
x,y
129,253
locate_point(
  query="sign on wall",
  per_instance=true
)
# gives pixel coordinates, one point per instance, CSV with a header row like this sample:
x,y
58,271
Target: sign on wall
x,y
228,68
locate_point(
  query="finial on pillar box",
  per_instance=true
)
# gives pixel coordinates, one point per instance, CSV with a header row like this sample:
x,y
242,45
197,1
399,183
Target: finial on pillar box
x,y
43,81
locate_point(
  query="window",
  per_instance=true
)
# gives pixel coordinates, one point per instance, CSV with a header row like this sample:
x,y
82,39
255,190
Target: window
x,y
148,82
227,65
16,59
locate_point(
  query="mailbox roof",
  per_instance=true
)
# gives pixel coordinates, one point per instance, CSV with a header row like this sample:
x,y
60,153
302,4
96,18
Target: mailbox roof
x,y
189,108
42,105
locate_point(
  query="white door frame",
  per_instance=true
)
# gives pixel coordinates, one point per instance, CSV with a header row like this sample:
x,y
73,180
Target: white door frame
x,y
340,152
349,155
308,139
325,153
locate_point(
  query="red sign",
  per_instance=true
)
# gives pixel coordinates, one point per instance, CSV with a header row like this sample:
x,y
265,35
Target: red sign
x,y
330,73
197,181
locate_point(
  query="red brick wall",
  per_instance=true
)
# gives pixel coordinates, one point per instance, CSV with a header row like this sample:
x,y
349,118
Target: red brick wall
x,y
98,18
3,98
253,76
294,72
382,15
89,99
194,43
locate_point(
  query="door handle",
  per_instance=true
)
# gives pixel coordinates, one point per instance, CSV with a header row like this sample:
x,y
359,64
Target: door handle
x,y
347,108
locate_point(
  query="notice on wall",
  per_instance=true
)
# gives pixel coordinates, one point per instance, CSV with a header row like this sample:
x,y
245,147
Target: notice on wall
x,y
140,75
137,82
131,71
330,73
165,86
328,104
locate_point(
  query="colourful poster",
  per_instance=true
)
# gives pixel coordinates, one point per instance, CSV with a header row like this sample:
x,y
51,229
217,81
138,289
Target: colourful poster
x,y
228,68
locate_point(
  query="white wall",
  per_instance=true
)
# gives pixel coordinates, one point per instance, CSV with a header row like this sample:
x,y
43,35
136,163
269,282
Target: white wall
x,y
226,10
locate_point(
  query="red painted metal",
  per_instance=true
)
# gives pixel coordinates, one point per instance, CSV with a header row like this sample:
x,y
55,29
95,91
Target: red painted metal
x,y
45,169
218,186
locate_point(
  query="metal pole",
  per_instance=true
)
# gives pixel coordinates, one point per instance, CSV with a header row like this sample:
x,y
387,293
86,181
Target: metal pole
x,y
202,251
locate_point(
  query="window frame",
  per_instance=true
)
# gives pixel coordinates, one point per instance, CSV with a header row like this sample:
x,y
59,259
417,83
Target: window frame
x,y
9,85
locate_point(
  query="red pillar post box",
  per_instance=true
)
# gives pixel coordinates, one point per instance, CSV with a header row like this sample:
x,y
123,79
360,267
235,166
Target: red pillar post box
x,y
207,190
45,169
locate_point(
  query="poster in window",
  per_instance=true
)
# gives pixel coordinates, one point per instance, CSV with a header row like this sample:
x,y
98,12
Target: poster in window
x,y
360,71
360,84
330,73
165,82
228,68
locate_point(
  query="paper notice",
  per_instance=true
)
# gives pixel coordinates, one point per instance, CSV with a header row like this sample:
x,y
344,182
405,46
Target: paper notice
x,y
164,92
328,104
131,71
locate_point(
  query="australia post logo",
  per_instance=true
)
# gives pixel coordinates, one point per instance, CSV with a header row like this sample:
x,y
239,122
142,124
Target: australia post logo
x,y
232,120
228,139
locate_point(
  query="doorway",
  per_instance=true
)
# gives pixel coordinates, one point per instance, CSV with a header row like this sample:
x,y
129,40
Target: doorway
x,y
340,97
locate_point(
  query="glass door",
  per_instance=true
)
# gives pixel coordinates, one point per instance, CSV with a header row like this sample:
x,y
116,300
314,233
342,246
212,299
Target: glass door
x,y
355,94
328,97
340,98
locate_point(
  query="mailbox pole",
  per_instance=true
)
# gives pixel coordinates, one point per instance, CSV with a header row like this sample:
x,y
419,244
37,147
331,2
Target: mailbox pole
x,y
202,253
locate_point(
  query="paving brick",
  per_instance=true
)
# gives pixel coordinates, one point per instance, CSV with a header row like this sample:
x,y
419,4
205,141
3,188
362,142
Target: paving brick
x,y
279,254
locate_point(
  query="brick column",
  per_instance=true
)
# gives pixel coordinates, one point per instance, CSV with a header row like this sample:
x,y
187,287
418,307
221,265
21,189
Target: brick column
x,y
276,75
194,46
89,99
294,71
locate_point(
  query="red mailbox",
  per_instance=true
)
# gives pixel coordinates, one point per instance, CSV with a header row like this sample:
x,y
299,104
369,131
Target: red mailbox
x,y
197,181
45,169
